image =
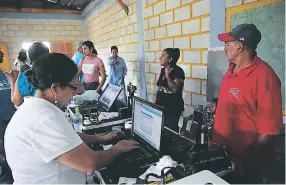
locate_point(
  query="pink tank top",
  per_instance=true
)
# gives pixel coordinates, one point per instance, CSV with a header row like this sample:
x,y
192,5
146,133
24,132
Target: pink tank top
x,y
90,68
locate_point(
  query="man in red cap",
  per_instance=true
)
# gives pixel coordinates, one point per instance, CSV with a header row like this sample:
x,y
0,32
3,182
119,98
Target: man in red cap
x,y
249,111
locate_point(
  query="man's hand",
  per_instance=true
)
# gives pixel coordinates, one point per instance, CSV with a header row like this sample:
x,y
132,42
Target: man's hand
x,y
167,73
125,146
97,91
13,75
109,138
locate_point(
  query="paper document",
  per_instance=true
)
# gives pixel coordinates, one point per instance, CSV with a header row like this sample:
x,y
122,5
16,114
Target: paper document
x,y
165,161
107,115
88,95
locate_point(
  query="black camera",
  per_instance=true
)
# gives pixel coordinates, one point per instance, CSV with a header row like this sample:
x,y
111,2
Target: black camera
x,y
131,89
198,115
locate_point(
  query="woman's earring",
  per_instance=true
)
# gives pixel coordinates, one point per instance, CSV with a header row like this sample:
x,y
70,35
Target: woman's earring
x,y
56,102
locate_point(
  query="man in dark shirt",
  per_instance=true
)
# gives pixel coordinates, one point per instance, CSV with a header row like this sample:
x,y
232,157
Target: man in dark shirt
x,y
6,113
170,87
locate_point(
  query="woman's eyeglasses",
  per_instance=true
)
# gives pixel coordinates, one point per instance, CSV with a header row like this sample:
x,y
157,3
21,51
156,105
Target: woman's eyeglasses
x,y
73,87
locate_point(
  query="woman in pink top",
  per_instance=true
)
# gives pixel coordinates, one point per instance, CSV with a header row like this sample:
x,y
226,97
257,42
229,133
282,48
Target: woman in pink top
x,y
92,67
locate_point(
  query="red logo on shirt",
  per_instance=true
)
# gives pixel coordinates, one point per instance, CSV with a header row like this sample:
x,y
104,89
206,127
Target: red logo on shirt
x,y
234,92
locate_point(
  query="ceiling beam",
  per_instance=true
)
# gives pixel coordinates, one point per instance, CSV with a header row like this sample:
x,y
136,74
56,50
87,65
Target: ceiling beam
x,y
45,16
39,10
92,7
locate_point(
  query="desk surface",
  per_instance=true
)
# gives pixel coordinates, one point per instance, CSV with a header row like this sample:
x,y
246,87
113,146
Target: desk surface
x,y
203,177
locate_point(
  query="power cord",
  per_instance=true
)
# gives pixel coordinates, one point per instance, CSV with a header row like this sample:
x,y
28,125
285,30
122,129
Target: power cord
x,y
162,176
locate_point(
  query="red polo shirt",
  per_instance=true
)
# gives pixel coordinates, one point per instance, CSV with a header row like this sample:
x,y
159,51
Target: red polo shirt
x,y
249,103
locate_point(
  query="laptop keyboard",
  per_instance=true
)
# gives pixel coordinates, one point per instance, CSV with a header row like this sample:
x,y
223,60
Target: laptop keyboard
x,y
136,155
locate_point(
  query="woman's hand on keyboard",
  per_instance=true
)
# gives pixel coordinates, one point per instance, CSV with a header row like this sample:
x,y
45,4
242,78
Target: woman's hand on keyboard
x,y
125,146
112,136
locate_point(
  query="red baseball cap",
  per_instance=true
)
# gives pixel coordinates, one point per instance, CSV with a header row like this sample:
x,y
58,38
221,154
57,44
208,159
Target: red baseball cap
x,y
248,34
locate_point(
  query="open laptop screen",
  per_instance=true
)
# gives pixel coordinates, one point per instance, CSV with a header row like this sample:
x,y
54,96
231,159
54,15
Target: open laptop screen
x,y
109,95
147,122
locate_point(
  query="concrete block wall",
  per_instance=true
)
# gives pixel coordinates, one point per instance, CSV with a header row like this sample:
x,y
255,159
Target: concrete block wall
x,y
110,26
16,31
180,24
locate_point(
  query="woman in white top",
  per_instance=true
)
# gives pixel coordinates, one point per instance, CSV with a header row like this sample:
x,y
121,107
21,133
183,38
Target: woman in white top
x,y
41,144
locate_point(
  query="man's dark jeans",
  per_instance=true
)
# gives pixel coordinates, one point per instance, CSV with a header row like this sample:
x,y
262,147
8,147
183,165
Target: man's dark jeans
x,y
5,171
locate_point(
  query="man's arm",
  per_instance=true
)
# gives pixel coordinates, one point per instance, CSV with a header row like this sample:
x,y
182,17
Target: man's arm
x,y
124,67
12,77
269,110
17,97
110,61
175,86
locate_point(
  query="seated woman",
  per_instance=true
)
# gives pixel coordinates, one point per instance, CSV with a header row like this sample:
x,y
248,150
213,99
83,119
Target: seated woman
x,y
170,87
40,142
92,67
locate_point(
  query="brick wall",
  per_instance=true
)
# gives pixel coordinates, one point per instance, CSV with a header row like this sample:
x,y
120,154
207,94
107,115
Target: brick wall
x,y
111,26
184,25
167,23
14,32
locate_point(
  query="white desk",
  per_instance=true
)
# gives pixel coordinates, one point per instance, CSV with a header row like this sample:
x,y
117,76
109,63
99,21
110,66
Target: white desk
x,y
203,177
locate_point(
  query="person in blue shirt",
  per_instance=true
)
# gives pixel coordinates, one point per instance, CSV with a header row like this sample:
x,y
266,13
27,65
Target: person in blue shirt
x,y
77,57
118,70
21,87
6,112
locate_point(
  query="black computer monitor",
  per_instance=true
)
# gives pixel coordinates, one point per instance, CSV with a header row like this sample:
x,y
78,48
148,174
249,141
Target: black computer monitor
x,y
148,122
109,95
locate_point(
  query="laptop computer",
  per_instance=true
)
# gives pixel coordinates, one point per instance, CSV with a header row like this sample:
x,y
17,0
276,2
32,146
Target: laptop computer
x,y
108,97
147,126
104,103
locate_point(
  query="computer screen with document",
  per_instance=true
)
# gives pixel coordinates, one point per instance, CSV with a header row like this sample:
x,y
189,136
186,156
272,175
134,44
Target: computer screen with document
x,y
109,95
147,121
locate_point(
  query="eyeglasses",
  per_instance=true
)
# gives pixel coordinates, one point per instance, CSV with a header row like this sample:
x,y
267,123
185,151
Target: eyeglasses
x,y
73,87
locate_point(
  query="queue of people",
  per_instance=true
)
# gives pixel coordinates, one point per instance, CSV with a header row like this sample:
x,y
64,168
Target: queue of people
x,y
247,115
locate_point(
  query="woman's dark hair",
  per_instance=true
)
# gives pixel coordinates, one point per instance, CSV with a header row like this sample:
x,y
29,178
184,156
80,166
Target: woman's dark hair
x,y
36,50
90,45
174,55
22,56
114,47
50,69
